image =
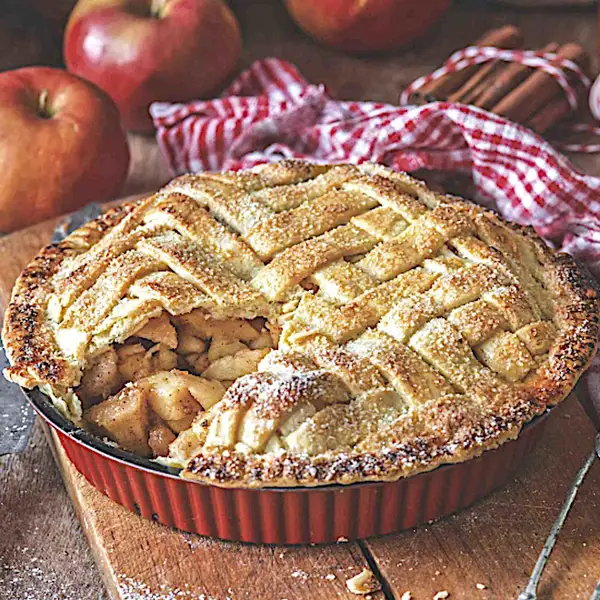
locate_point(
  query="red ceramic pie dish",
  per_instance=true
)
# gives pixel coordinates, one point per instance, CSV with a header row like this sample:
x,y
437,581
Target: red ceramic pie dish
x,y
279,515
388,330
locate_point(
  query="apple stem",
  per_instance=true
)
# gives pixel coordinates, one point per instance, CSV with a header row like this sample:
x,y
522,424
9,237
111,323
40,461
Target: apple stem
x,y
43,105
157,8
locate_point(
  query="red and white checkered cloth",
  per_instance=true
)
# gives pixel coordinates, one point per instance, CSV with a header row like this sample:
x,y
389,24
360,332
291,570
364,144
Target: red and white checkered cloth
x,y
271,112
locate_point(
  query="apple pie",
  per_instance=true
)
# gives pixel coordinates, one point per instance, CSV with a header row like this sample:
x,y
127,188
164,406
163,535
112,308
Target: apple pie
x,y
301,324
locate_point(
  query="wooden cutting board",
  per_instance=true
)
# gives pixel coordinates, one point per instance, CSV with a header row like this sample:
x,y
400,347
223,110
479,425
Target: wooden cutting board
x,y
495,543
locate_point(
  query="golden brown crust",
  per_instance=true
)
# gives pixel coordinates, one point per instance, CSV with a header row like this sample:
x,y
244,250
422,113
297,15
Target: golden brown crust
x,y
27,338
431,330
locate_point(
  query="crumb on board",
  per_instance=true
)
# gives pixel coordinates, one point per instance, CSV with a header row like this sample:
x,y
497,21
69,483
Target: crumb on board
x,y
299,573
406,596
363,583
442,595
480,586
330,576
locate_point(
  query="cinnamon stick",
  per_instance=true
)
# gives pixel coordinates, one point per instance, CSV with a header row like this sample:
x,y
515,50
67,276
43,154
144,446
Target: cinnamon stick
x,y
472,87
538,88
554,110
550,114
508,79
493,81
506,37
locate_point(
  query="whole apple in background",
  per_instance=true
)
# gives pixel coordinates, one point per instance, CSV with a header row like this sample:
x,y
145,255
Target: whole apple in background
x,y
366,25
141,51
61,145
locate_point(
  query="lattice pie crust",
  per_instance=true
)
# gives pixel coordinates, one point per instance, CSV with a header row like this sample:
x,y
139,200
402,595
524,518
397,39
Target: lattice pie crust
x,y
302,324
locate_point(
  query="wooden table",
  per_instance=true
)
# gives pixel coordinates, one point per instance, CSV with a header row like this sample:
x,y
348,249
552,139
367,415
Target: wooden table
x,y
44,556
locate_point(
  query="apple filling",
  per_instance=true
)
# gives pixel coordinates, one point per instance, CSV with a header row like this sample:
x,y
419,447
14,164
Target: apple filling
x,y
145,392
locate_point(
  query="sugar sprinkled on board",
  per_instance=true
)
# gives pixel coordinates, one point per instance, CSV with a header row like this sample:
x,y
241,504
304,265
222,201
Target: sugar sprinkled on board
x,y
133,589
30,580
300,574
194,542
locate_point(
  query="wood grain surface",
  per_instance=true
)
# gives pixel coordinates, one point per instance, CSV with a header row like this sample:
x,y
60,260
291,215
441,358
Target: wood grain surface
x,y
43,553
496,542
160,561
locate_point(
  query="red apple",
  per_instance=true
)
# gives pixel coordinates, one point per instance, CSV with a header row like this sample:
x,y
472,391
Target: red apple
x,y
61,145
366,25
141,51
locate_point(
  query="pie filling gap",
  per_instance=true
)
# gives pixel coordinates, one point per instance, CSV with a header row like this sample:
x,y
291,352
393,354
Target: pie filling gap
x,y
146,391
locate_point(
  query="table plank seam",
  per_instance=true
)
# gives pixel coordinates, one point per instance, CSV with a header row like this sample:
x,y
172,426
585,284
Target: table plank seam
x,y
374,566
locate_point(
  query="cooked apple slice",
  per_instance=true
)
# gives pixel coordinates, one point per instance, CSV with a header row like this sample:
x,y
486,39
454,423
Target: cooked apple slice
x,y
237,329
134,362
160,330
169,396
264,340
189,343
124,419
185,446
232,367
180,425
163,359
101,378
159,438
224,346
204,391
200,363
205,327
